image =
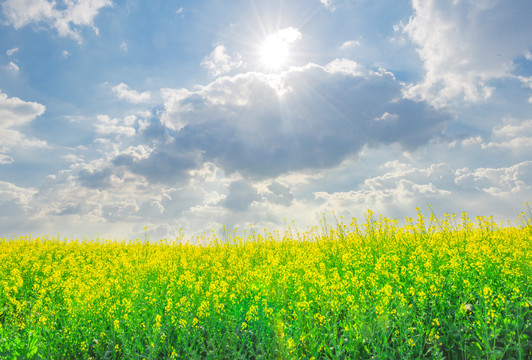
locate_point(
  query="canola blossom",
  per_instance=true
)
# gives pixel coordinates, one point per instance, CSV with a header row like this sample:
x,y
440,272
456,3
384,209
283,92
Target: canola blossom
x,y
433,288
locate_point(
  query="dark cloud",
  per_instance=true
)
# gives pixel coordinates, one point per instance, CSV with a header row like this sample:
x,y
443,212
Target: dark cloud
x,y
262,126
240,195
161,165
279,194
95,179
155,131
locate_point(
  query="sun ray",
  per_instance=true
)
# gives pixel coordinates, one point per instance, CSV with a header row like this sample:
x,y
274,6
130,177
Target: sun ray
x,y
274,52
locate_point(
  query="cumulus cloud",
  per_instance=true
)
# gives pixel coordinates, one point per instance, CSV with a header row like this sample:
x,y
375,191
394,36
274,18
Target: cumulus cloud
x,y
67,20
123,92
527,81
15,200
287,35
109,126
279,194
264,125
464,44
219,62
404,186
514,136
241,194
497,181
15,112
5,159
159,165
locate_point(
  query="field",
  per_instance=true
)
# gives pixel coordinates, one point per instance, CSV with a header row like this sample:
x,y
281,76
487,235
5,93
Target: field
x,y
450,288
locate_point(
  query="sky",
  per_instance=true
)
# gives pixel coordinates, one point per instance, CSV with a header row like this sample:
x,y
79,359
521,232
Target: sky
x,y
185,116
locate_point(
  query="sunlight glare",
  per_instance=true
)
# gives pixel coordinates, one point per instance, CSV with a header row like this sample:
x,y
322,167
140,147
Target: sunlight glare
x,y
274,51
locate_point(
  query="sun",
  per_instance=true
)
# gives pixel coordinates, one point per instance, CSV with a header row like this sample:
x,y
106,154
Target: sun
x,y
274,52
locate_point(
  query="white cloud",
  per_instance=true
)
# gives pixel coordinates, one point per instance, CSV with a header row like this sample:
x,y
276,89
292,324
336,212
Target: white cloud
x,y
110,126
123,92
67,21
5,159
514,136
15,112
328,4
350,44
498,181
402,186
15,140
15,201
347,67
523,128
219,62
12,52
13,67
465,44
527,82
287,35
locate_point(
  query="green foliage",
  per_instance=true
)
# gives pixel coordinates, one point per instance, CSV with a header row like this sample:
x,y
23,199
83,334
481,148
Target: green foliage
x,y
434,288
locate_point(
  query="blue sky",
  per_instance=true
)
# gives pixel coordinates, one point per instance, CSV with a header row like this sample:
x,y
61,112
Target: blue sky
x,y
115,115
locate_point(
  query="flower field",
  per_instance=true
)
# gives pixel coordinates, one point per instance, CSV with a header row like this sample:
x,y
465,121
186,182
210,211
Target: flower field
x,y
450,288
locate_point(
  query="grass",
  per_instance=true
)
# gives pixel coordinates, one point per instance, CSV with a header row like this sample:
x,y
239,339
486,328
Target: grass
x,y
434,288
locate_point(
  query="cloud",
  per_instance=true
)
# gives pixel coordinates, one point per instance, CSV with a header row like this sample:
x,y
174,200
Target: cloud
x,y
12,52
465,44
219,62
13,67
264,125
523,128
527,82
241,194
5,159
15,200
350,44
287,35
108,126
159,165
498,181
328,4
515,136
123,92
402,186
15,112
95,179
279,194
67,20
